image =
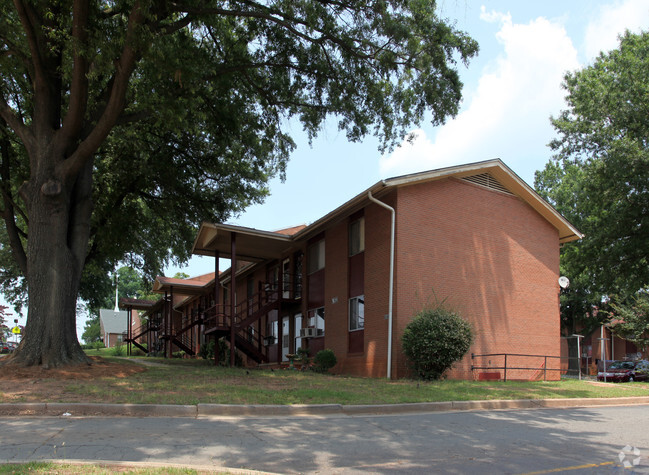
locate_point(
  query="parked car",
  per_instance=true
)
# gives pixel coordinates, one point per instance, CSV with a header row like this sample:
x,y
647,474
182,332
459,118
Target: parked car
x,y
12,345
622,371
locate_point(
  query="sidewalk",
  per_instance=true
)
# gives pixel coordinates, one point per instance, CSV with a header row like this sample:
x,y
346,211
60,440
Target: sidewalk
x,y
321,410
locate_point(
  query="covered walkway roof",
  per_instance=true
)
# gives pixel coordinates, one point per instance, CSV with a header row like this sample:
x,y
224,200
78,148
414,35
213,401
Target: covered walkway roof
x,y
251,244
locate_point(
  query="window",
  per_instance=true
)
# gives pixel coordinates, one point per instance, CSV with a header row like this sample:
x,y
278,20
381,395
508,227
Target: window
x,y
271,332
357,313
317,320
357,236
286,278
272,278
299,257
316,257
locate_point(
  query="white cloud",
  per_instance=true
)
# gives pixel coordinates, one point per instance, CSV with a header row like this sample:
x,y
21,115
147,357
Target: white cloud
x,y
609,21
508,113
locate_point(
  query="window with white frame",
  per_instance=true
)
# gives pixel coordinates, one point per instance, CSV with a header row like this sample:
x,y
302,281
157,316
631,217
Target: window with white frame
x,y
272,330
357,313
317,320
315,257
357,236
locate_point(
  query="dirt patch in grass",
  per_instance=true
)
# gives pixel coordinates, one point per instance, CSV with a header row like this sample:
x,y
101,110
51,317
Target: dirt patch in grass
x,y
35,384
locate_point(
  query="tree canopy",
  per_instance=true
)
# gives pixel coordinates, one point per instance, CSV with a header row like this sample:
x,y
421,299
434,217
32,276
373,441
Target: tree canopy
x,y
125,123
631,320
599,176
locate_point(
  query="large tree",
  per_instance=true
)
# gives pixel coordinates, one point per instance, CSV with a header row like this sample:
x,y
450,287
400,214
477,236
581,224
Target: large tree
x,y
599,177
124,123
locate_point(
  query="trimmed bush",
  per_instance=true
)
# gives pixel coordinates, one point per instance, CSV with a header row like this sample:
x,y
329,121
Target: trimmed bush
x,y
324,360
434,340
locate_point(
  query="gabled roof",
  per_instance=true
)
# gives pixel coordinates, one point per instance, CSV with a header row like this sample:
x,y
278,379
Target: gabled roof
x,y
256,245
508,180
112,321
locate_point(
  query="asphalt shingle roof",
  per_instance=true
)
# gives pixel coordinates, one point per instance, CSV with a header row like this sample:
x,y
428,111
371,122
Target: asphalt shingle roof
x,y
112,321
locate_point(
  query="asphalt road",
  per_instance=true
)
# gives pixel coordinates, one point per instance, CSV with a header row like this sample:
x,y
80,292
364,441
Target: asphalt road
x,y
580,440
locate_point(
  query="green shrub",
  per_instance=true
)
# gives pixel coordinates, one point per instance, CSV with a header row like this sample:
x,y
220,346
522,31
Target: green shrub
x,y
434,340
303,356
98,345
207,352
118,349
135,351
324,360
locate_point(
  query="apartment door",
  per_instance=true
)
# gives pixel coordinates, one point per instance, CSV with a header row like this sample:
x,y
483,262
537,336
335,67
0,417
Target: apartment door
x,y
286,338
298,327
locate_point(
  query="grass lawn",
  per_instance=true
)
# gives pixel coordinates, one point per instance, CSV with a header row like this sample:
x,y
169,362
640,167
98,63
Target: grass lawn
x,y
93,469
182,381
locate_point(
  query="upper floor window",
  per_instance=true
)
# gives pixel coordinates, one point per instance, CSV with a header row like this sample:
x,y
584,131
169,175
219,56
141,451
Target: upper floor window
x,y
316,319
315,256
357,313
299,257
357,236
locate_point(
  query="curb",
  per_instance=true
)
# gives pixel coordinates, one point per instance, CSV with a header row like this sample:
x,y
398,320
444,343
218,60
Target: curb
x,y
123,466
233,410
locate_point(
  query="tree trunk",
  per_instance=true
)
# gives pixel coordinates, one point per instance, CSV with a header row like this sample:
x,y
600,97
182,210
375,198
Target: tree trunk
x,y
59,217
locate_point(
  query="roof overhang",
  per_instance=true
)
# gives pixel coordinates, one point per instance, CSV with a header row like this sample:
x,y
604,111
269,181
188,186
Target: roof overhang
x,y
177,286
250,244
136,304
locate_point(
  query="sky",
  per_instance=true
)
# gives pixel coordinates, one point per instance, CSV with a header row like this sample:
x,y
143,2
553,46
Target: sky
x,y
511,89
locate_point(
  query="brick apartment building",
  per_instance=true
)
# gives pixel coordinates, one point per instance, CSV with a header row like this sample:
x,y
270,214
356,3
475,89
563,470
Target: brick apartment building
x,y
475,236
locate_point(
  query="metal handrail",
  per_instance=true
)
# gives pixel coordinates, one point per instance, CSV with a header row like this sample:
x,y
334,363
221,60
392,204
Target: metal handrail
x,y
506,367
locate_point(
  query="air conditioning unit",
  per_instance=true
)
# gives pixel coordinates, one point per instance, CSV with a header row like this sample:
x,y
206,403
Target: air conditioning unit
x,y
307,332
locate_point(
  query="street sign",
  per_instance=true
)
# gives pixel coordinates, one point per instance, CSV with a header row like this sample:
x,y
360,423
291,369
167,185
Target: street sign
x,y
16,330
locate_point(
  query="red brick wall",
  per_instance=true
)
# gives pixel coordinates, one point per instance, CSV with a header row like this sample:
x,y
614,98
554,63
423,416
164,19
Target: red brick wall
x,y
336,285
373,360
490,256
377,271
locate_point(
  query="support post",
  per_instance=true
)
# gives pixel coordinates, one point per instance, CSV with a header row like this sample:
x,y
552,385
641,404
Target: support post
x,y
233,283
217,291
171,322
280,319
129,329
505,372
